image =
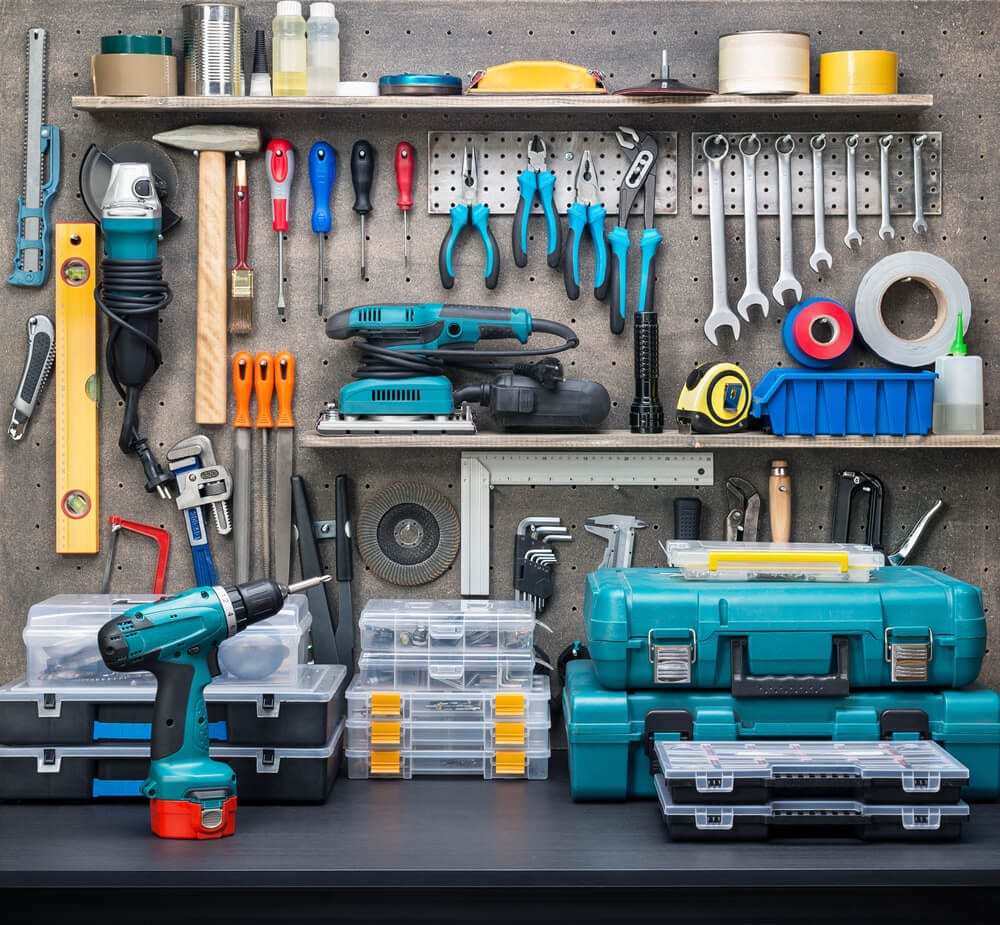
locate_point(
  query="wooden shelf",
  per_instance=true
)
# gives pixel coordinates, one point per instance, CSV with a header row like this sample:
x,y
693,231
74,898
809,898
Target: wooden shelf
x,y
566,103
625,441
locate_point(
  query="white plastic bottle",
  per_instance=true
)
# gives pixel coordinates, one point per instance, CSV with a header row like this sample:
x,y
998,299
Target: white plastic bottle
x,y
288,50
323,57
958,390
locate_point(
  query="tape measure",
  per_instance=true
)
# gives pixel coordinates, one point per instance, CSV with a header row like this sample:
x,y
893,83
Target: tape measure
x,y
77,389
715,400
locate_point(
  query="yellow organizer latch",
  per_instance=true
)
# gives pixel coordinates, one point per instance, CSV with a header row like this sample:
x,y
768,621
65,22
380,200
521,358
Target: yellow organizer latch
x,y
510,704
511,764
384,762
510,733
385,733
387,703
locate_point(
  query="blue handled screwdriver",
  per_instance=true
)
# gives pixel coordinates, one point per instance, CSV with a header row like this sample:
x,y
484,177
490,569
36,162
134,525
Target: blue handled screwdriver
x,y
322,173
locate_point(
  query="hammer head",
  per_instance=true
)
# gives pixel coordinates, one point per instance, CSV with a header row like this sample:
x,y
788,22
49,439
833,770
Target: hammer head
x,y
242,138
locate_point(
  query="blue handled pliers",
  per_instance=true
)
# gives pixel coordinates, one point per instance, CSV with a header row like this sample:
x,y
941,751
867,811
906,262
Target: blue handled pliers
x,y
586,212
465,213
536,180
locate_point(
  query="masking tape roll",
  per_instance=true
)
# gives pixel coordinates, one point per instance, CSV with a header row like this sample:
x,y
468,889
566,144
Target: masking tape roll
x,y
858,72
948,288
358,88
764,62
818,333
134,75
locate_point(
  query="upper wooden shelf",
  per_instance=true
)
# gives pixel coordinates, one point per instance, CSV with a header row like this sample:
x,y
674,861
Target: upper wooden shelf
x,y
596,103
625,441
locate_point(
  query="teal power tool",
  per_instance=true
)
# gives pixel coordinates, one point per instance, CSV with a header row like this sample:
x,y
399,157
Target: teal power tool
x,y
536,180
463,214
402,384
177,639
586,213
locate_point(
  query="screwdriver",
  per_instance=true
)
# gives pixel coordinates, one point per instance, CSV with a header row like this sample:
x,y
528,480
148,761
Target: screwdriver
x,y
404,182
280,170
362,174
322,173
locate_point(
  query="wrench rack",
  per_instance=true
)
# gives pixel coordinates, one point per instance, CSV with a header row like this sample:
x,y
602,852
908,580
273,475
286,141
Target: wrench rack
x,y
867,171
503,155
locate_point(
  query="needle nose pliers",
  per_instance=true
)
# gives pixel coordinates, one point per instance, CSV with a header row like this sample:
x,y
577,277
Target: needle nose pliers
x,y
465,213
586,212
536,180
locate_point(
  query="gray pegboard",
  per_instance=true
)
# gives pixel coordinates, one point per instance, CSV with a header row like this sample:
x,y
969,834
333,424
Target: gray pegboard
x,y
503,155
867,173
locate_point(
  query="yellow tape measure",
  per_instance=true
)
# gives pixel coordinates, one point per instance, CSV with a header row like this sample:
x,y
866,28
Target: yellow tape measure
x,y
77,389
715,400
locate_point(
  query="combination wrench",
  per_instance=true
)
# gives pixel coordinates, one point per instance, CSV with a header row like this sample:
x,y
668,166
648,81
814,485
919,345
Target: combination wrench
x,y
786,275
749,149
853,236
919,223
884,144
820,254
721,315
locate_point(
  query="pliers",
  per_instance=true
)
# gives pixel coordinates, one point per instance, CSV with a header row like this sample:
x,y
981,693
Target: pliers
x,y
469,212
744,515
586,212
641,175
536,180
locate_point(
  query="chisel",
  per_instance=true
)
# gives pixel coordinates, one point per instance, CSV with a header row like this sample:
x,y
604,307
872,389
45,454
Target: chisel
x,y
243,375
284,448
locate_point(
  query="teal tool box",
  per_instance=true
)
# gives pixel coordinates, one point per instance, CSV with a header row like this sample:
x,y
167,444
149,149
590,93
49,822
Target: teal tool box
x,y
606,730
908,626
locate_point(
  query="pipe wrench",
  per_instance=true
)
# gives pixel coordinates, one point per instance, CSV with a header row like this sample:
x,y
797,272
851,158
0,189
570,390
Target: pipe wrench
x,y
743,518
618,531
201,483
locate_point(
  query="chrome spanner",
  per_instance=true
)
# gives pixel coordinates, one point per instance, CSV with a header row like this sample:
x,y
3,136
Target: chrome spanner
x,y
786,275
919,223
820,254
721,315
884,144
853,236
749,149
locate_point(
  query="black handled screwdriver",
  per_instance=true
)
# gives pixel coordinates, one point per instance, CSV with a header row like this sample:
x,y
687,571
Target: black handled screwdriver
x,y
362,174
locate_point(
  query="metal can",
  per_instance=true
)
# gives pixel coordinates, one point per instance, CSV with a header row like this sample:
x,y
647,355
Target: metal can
x,y
213,40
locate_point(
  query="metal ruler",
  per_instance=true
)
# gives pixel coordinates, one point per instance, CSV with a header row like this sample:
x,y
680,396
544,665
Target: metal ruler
x,y
77,389
41,159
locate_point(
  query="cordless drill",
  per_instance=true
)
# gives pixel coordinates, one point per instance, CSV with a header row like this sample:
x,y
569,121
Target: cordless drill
x,y
177,638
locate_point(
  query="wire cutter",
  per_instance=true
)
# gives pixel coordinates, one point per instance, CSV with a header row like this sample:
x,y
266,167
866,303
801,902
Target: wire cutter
x,y
469,212
641,175
586,212
536,180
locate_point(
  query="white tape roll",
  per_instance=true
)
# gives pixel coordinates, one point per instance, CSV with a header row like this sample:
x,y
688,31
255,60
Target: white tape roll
x,y
948,288
764,62
357,88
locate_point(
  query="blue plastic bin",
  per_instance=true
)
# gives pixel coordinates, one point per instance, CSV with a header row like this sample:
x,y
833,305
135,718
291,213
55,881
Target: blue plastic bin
x,y
867,402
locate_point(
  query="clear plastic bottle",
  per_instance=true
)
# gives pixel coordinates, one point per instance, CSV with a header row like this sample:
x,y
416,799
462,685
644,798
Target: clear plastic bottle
x,y
958,390
288,50
323,57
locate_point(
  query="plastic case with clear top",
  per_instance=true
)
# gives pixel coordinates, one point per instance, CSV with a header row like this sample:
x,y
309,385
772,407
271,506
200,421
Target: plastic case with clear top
x,y
490,764
451,627
61,641
440,672
738,561
724,772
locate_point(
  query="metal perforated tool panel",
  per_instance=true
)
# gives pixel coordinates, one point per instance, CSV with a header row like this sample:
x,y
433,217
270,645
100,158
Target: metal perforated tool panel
x,y
501,157
867,173
947,49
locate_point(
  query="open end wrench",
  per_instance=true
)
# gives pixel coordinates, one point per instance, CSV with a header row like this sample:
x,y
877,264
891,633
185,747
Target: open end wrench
x,y
716,149
853,236
884,144
786,275
919,223
749,149
820,254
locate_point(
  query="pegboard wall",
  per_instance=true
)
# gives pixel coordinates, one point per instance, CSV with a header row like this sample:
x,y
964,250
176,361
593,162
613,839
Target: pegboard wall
x,y
948,49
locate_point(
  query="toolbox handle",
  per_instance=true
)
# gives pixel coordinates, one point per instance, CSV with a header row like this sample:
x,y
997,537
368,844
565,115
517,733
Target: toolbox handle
x,y
744,684
719,557
664,722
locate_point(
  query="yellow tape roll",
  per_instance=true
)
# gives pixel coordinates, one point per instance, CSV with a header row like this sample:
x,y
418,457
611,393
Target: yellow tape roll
x,y
858,72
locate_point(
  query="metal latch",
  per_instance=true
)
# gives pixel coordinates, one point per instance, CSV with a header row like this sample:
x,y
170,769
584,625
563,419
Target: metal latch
x,y
909,660
672,661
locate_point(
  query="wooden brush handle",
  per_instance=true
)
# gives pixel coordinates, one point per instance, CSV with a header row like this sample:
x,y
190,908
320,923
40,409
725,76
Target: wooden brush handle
x,y
211,359
780,501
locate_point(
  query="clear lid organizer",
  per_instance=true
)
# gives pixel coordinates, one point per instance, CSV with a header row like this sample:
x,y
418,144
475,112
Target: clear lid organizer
x,y
430,671
400,764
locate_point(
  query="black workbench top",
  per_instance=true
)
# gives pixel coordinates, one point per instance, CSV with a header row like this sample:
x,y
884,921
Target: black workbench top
x,y
501,845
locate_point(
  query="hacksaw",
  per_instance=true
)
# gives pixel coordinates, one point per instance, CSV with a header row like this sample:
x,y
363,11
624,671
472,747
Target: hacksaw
x,y
77,389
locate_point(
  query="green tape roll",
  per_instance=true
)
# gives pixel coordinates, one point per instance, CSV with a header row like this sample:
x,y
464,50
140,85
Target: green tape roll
x,y
136,45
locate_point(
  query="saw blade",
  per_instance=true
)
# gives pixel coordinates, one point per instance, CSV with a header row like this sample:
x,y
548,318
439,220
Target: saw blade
x,y
34,119
408,534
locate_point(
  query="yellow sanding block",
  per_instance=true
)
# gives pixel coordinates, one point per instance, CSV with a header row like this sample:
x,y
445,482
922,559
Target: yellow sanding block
x,y
537,77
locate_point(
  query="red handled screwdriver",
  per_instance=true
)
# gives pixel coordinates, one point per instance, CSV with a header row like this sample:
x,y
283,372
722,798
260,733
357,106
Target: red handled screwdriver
x,y
404,183
280,170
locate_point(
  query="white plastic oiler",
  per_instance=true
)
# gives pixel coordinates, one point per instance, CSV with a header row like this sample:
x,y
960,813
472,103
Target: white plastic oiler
x,y
323,43
958,390
288,50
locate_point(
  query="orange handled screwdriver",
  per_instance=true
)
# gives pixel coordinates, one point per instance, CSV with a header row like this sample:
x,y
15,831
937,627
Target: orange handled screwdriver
x,y
263,383
243,380
404,183
284,461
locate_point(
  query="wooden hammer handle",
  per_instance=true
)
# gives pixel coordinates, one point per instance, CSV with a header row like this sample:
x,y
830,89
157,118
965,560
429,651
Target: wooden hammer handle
x,y
211,360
